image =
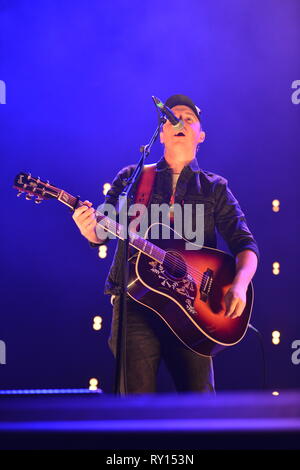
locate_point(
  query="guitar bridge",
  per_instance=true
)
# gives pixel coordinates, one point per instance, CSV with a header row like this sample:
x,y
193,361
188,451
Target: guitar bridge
x,y
205,285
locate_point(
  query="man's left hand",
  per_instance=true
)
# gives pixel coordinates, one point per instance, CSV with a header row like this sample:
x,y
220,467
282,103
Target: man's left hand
x,y
235,300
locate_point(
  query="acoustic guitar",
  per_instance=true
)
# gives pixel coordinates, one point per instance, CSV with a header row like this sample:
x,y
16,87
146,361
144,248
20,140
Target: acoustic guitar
x,y
186,288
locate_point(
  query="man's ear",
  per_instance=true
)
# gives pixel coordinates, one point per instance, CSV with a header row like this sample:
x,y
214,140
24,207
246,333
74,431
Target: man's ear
x,y
201,137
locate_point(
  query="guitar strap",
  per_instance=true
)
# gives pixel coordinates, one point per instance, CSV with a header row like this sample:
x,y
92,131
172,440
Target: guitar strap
x,y
145,185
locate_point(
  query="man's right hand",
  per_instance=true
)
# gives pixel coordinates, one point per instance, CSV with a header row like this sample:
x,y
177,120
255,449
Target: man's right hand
x,y
85,219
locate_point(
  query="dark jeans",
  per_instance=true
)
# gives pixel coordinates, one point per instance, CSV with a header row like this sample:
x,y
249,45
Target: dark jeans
x,y
149,340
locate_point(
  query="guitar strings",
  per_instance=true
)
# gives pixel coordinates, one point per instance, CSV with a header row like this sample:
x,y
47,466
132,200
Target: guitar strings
x,y
198,275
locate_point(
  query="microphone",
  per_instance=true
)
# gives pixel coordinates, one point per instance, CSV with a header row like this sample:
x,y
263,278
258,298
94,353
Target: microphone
x,y
177,123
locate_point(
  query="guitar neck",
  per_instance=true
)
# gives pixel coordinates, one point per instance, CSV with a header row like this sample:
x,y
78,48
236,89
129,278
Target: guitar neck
x,y
118,230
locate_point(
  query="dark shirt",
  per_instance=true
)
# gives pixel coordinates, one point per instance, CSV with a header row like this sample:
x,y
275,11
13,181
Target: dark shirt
x,y
222,211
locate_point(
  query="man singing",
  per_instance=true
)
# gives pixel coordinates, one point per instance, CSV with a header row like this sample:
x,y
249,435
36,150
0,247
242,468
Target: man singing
x,y
178,179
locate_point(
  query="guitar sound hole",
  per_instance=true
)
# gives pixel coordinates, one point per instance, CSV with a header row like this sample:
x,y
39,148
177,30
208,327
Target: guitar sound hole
x,y
174,265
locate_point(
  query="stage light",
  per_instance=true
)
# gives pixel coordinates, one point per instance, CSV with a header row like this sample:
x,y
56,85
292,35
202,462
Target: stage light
x,y
275,394
275,337
102,251
106,188
276,268
97,325
276,205
93,384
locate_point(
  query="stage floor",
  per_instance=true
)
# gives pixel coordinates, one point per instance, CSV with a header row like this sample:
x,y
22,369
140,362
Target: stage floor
x,y
187,421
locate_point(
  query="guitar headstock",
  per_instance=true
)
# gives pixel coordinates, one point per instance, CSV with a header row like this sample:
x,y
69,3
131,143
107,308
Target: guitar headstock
x,y
35,188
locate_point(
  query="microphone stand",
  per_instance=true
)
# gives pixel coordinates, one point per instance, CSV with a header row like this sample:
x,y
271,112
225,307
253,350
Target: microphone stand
x,y
126,196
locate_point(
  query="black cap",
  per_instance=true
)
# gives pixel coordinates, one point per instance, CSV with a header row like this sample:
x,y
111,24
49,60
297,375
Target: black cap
x,y
177,100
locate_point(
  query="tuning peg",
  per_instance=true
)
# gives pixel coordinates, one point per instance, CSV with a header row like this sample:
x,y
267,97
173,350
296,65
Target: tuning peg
x,y
38,200
28,197
19,193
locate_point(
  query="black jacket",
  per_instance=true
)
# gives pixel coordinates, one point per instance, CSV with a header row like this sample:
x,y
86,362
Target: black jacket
x,y
194,185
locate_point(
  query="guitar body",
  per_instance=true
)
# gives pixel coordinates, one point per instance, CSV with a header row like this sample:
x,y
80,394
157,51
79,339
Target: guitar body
x,y
187,291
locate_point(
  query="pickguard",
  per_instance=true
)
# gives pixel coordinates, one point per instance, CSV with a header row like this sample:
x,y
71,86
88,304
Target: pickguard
x,y
183,290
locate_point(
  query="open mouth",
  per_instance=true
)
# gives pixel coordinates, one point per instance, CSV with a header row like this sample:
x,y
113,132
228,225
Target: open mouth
x,y
180,134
